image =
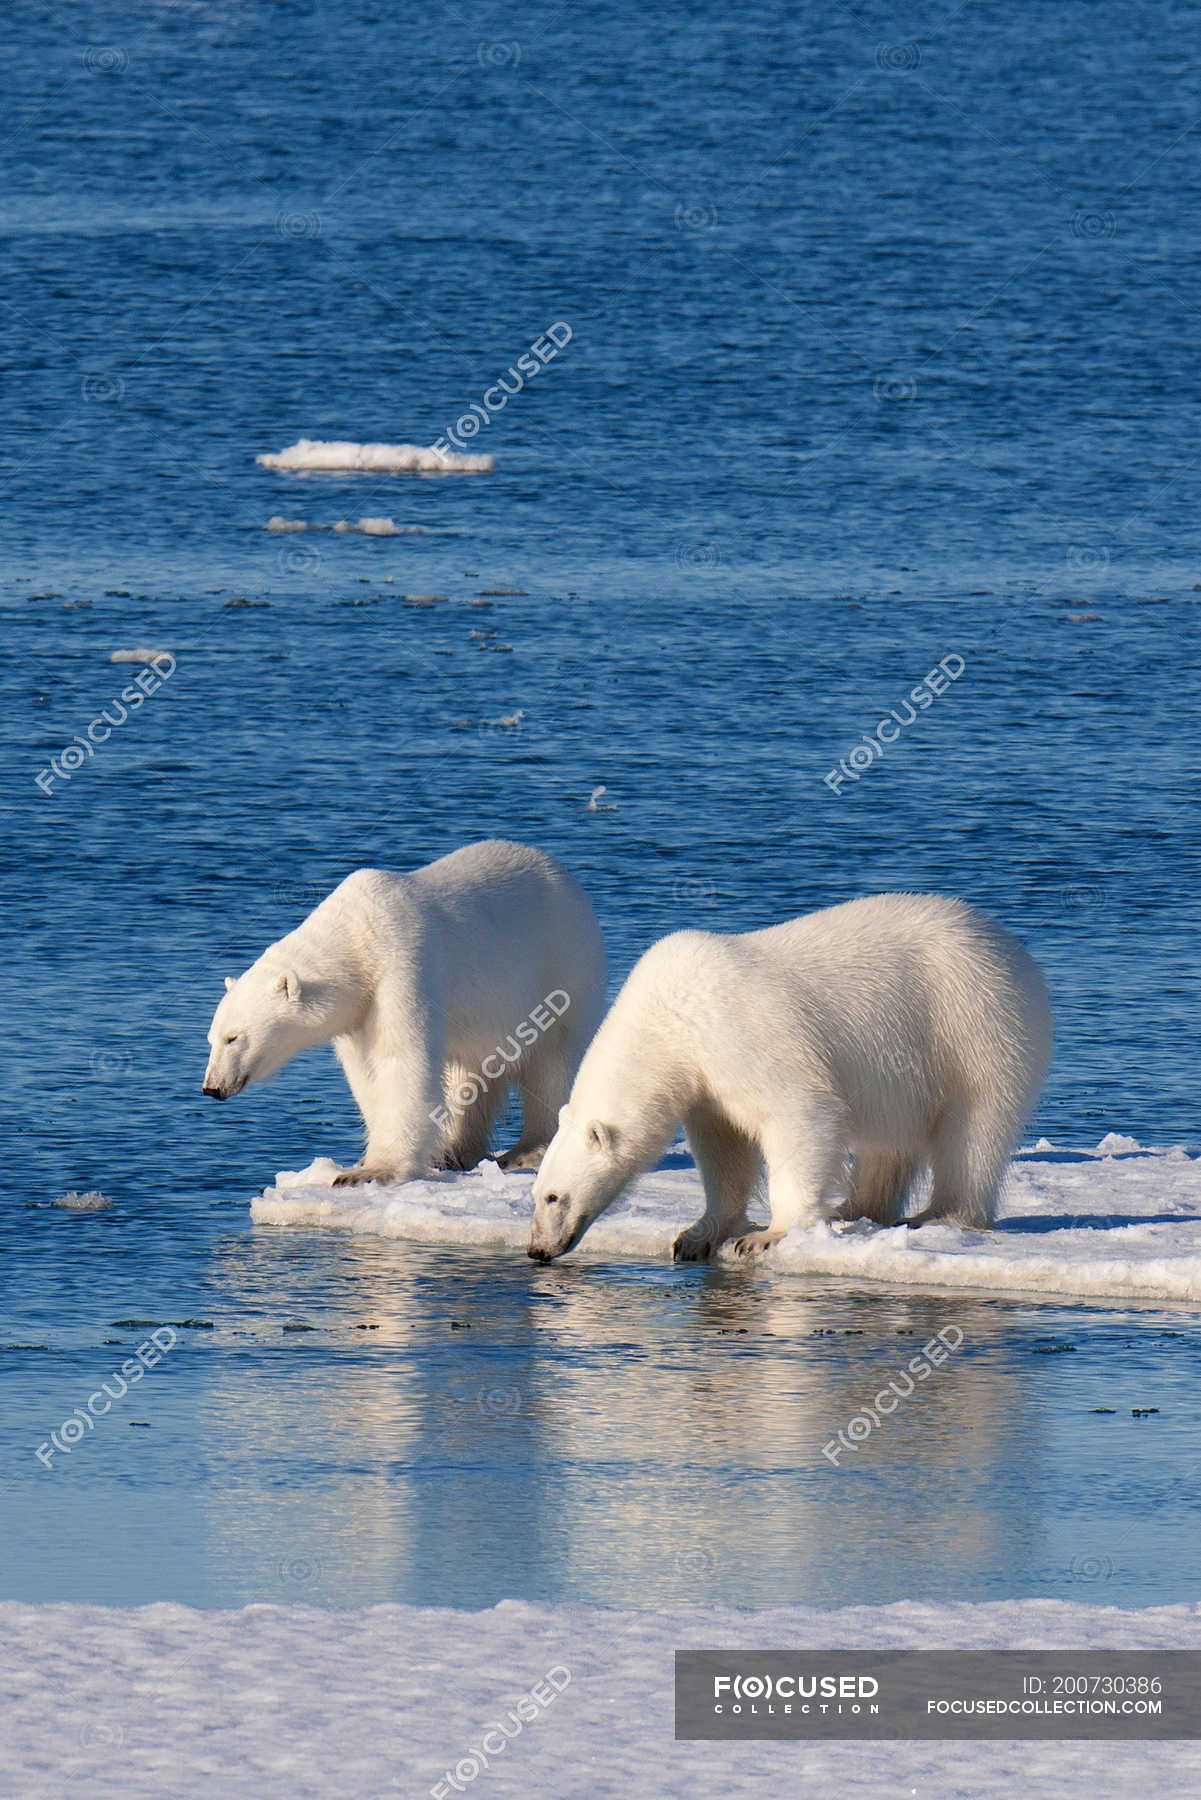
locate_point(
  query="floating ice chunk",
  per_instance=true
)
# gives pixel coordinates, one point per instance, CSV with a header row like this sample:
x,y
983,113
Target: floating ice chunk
x,y
276,523
89,1202
311,455
139,656
1125,1227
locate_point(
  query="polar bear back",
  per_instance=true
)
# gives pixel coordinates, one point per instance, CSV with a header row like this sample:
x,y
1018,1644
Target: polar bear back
x,y
898,1005
479,902
479,938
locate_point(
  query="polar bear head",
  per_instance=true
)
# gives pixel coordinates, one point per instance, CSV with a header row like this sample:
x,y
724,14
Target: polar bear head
x,y
581,1174
257,1027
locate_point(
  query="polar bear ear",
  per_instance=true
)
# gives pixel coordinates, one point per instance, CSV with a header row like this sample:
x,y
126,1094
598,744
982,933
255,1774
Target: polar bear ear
x,y
599,1136
229,982
288,984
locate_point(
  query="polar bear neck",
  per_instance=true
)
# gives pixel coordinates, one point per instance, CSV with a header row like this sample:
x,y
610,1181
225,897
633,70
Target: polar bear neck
x,y
336,985
637,1076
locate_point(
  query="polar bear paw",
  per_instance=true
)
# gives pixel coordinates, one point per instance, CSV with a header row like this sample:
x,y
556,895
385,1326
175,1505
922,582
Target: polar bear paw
x,y
756,1242
698,1243
362,1172
522,1157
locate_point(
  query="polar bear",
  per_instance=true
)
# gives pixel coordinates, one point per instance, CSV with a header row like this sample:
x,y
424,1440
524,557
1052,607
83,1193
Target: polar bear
x,y
439,990
907,1029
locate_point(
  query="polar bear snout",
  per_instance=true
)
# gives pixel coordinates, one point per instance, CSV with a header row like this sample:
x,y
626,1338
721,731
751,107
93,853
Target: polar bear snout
x,y
546,1231
222,1090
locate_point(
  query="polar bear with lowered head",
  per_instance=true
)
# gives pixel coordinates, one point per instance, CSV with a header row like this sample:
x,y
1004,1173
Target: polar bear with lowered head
x,y
439,990
906,1029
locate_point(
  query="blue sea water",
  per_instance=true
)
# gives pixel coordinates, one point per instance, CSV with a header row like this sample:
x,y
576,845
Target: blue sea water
x,y
882,354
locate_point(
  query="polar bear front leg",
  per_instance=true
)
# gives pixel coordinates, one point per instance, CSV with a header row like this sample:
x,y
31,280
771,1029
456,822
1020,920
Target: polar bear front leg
x,y
804,1156
395,1075
729,1165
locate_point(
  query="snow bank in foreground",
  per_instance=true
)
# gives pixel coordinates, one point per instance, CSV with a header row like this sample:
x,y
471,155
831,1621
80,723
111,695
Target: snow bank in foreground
x,y
1118,1223
314,454
290,1701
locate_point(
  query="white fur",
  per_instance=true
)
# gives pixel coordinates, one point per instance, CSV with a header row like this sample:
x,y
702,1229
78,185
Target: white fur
x,y
417,979
905,1029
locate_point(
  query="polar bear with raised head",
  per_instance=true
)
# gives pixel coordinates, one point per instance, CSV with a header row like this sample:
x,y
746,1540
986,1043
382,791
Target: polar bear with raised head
x,y
906,1029
440,990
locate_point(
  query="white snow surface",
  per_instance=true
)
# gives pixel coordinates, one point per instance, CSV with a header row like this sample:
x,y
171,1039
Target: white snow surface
x,y
291,1702
310,455
1118,1222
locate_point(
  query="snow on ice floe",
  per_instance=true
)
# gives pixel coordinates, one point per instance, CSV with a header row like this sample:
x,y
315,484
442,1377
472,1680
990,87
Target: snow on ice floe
x,y
314,455
1119,1222
295,1700
139,655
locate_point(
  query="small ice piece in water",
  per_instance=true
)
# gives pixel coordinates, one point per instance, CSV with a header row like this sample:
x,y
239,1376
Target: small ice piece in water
x,y
276,523
380,528
89,1202
595,804
138,656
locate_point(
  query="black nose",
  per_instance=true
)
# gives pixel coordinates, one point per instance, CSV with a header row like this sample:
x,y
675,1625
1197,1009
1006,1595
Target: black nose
x,y
538,1255
214,1093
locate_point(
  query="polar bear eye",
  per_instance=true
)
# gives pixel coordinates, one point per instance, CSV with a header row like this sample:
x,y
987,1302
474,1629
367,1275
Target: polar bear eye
x,y
231,1037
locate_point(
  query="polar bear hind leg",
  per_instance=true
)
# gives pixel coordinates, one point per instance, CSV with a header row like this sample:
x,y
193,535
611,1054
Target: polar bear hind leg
x,y
880,1185
730,1166
469,1137
543,1080
971,1148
